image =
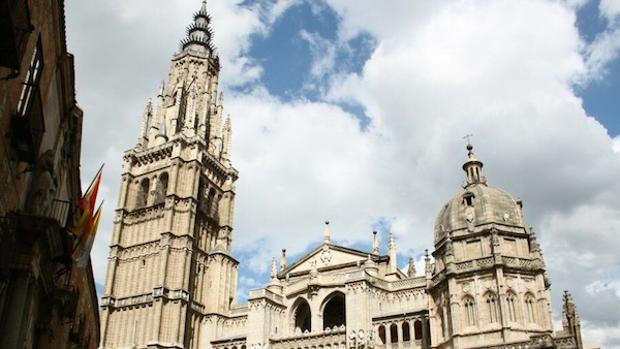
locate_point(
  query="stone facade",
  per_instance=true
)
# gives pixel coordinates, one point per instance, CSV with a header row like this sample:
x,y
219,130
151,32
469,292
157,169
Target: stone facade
x,y
46,299
171,280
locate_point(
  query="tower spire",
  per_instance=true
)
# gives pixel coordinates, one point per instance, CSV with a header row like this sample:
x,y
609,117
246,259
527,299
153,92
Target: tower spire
x,y
199,33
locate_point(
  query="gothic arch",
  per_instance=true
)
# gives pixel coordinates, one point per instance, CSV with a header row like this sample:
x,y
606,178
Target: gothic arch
x,y
301,316
334,310
161,189
511,305
530,308
492,306
417,329
381,331
142,194
469,311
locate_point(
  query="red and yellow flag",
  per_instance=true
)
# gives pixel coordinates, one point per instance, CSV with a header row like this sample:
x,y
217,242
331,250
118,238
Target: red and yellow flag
x,y
86,241
86,208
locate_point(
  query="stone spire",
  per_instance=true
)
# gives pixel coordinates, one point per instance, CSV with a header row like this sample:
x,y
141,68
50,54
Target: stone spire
x,y
226,139
327,234
375,243
428,267
473,168
570,318
146,124
392,253
199,33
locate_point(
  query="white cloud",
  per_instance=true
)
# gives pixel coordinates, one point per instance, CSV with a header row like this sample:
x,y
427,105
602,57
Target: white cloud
x,y
616,144
610,9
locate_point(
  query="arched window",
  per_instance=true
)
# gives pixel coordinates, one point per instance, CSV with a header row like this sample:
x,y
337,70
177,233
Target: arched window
x,y
210,199
161,189
303,317
511,299
382,334
334,311
530,308
469,309
406,333
143,193
492,307
417,329
393,333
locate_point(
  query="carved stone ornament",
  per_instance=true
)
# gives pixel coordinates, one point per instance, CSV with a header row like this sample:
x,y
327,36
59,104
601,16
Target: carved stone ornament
x,y
43,187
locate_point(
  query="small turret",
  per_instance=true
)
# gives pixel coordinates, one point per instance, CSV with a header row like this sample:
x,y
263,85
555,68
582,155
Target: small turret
x,y
473,168
392,253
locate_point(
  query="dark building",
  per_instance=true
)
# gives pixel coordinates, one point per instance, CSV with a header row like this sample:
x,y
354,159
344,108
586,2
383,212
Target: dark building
x,y
46,299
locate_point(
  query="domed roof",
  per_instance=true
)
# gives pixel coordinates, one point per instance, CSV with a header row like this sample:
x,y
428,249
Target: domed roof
x,y
477,204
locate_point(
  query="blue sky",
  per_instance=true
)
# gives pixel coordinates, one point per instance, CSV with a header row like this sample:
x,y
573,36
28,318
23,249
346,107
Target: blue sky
x,y
601,98
354,113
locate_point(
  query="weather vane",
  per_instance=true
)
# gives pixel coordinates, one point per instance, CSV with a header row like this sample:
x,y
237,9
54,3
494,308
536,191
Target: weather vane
x,y
468,138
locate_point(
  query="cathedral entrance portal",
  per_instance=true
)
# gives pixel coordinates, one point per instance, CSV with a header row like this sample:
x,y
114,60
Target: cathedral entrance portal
x,y
334,312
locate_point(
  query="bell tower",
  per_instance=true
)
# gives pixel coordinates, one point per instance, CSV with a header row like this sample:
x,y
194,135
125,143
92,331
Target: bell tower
x,y
170,261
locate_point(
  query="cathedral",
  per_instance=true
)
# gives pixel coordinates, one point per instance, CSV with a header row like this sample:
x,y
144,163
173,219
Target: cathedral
x,y
172,279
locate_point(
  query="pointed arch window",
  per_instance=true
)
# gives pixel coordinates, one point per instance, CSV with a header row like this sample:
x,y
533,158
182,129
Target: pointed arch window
x,y
491,300
143,193
303,317
382,334
530,308
161,189
417,329
470,311
406,331
512,309
334,311
393,333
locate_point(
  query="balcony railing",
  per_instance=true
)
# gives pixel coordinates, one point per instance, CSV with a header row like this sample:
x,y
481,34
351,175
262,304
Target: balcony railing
x,y
15,28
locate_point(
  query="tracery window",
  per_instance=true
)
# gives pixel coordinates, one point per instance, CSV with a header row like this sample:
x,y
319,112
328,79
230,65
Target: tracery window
x,y
470,311
512,309
530,308
492,307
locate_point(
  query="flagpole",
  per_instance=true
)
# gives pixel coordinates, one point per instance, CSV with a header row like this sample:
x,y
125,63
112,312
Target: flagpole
x,y
94,178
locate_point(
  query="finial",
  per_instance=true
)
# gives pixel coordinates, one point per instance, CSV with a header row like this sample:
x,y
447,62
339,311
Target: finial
x,y
375,243
284,261
327,233
162,89
274,268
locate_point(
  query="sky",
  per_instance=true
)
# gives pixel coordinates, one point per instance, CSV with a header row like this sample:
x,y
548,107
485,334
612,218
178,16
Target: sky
x,y
347,111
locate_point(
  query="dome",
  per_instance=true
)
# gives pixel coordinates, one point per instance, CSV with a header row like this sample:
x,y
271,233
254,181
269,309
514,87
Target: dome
x,y
477,204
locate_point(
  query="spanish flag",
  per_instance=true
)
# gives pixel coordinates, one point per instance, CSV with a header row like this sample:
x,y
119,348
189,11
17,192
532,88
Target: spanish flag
x,y
85,244
86,207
